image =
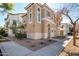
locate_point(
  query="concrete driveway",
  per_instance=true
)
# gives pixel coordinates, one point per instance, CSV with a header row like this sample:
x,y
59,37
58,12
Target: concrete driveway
x,y
13,49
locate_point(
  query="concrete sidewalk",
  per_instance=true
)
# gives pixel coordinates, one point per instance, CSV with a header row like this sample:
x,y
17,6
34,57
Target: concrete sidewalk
x,y
13,49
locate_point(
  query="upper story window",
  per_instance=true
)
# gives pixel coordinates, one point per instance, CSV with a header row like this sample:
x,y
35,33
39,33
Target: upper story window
x,y
30,16
38,15
62,26
48,13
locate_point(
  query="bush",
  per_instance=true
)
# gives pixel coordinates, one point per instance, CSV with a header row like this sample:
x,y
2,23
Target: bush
x,y
1,37
3,33
20,35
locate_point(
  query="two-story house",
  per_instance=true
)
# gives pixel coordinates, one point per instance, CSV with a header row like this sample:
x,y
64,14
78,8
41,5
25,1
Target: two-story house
x,y
40,21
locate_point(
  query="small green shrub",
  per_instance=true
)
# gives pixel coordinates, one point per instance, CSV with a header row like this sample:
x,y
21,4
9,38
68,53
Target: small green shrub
x,y
20,35
3,33
1,37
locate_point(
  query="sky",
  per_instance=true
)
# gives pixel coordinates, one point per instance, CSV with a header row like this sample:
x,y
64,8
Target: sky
x,y
19,8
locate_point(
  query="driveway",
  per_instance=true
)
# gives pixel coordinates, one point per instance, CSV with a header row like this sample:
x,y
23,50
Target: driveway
x,y
13,49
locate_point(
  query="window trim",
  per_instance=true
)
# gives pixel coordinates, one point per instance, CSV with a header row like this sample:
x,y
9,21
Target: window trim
x,y
48,13
30,12
38,16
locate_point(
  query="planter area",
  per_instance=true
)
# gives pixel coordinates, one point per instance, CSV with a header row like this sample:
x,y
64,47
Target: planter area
x,y
34,44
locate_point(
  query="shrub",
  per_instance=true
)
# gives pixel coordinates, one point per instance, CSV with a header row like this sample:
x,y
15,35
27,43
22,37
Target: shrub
x,y
20,35
1,37
3,33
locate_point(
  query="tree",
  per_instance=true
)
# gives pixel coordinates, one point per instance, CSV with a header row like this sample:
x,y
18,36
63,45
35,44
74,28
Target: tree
x,y
70,29
6,7
72,8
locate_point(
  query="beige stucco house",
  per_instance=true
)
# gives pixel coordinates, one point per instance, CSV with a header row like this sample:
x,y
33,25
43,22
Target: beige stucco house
x,y
40,21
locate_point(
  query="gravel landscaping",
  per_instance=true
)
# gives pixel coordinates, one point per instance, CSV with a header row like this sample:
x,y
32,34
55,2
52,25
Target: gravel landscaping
x,y
34,44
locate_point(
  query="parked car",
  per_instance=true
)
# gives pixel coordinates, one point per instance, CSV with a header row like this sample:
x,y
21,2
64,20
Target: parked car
x,y
70,33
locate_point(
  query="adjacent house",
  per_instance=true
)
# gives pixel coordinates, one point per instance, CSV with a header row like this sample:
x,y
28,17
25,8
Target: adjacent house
x,y
39,22
77,28
13,22
65,27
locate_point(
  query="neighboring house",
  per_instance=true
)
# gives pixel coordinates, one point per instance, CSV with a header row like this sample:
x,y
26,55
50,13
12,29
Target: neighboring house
x,y
39,22
65,27
77,28
12,22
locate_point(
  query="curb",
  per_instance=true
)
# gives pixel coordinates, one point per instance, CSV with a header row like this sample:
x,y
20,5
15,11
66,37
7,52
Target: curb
x,y
64,47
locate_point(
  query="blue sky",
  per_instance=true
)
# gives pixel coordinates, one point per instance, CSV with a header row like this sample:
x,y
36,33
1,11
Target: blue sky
x,y
19,8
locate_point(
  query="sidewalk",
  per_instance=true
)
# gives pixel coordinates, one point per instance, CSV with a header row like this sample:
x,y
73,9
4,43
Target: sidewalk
x,y
13,49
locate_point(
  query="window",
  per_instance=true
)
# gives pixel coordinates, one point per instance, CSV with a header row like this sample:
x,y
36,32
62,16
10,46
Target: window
x,y
30,16
38,15
48,13
62,26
